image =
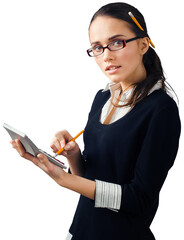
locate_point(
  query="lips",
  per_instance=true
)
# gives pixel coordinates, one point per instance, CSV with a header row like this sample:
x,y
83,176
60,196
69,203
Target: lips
x,y
111,67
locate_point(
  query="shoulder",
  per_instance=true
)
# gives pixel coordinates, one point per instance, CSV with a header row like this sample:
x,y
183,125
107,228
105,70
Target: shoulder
x,y
99,99
102,94
159,100
158,107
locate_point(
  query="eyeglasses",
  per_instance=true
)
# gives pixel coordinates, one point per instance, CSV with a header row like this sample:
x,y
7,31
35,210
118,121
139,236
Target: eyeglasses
x,y
112,46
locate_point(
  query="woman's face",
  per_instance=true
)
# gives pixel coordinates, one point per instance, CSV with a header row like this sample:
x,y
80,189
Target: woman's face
x,y
123,66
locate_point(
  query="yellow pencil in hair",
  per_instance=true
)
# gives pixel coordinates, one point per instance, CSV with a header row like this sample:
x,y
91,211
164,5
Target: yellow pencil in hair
x,y
152,43
135,21
139,26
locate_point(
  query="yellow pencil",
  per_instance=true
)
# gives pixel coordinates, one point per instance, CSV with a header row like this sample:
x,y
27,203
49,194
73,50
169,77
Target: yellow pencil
x,y
138,24
135,21
152,43
72,140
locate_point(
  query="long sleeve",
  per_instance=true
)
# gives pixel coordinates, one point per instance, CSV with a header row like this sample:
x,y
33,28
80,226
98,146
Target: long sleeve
x,y
108,195
156,157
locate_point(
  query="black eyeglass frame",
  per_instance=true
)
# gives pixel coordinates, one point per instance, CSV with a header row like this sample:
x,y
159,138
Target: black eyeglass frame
x,y
124,45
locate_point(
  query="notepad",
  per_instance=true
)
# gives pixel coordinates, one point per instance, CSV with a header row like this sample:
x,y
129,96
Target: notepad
x,y
29,146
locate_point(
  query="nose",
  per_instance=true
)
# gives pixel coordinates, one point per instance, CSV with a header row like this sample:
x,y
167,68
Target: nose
x,y
108,55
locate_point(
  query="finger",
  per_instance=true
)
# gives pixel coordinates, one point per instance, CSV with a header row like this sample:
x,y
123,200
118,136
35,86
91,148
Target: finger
x,y
20,148
60,140
69,146
55,145
63,135
69,149
44,164
62,143
13,143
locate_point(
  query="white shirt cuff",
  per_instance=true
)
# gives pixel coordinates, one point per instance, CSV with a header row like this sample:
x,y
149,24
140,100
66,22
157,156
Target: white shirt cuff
x,y
108,195
69,236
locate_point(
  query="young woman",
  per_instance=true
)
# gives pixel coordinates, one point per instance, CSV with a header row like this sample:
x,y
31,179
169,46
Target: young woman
x,y
131,137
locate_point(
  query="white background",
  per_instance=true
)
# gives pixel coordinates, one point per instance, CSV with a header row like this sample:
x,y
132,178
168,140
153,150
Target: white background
x,y
47,83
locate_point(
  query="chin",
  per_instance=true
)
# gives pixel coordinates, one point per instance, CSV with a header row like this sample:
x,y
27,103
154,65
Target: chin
x,y
115,80
120,78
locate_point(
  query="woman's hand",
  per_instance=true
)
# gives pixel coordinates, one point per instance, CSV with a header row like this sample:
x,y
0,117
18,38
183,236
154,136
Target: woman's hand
x,y
71,151
73,182
55,172
62,139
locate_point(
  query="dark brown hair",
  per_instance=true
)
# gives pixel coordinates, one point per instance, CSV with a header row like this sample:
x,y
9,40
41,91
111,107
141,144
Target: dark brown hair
x,y
151,60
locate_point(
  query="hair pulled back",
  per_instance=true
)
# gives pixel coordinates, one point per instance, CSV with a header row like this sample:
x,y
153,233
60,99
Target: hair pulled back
x,y
151,60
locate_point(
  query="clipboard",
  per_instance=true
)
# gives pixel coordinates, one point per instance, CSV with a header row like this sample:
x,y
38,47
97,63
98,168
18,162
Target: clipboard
x,y
29,146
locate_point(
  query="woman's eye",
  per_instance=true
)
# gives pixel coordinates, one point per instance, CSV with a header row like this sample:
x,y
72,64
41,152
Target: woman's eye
x,y
117,43
97,48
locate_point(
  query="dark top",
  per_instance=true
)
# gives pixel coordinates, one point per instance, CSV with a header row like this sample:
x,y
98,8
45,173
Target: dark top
x,y
135,152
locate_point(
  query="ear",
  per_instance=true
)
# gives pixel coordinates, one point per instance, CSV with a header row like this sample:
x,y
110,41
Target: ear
x,y
144,45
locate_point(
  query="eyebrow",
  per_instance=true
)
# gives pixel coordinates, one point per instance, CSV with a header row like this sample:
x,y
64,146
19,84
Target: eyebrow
x,y
111,38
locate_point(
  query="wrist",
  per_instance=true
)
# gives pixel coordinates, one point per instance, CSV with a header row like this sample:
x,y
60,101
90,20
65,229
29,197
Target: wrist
x,y
62,178
76,164
79,184
74,157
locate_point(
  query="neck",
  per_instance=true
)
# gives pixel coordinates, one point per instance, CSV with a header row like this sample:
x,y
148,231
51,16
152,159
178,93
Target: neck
x,y
138,76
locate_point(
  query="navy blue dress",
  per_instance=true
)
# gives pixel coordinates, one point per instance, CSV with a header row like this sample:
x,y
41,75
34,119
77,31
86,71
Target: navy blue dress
x,y
135,152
